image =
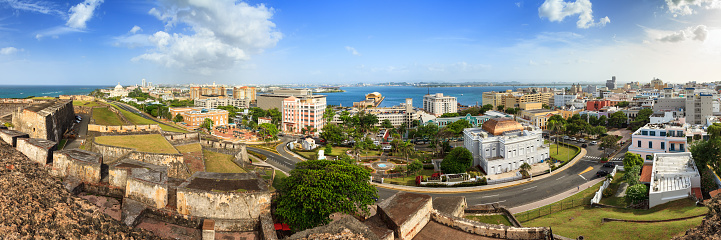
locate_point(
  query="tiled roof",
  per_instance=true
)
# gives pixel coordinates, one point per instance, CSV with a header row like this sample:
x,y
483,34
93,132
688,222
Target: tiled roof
x,y
501,125
646,173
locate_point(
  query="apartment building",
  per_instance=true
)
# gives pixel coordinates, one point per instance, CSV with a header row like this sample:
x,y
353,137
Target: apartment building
x,y
198,92
698,107
217,102
303,111
596,105
560,100
195,116
515,99
503,145
437,104
493,98
668,137
244,93
538,117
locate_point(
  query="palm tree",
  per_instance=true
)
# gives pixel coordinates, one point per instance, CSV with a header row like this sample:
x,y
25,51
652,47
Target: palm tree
x,y
556,126
406,148
307,130
525,167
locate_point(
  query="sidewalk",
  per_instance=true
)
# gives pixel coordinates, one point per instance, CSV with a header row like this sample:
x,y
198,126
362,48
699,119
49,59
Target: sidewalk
x,y
478,188
556,198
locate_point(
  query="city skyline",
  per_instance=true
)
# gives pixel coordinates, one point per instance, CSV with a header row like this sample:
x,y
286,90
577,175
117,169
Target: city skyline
x,y
254,42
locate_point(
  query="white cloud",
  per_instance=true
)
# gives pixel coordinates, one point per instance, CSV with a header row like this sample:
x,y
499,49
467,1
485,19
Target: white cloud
x,y
135,29
9,51
80,14
686,7
698,33
352,50
33,6
56,31
557,10
222,33
519,4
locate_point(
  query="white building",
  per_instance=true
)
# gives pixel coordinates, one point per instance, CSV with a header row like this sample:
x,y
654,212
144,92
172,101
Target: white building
x,y
217,102
503,145
437,104
671,137
698,107
119,91
560,100
672,177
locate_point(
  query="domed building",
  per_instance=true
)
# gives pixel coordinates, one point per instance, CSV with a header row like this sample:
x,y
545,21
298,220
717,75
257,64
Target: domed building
x,y
119,91
503,145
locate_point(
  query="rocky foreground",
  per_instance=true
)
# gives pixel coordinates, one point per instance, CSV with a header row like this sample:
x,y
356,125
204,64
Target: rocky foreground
x,y
35,205
710,228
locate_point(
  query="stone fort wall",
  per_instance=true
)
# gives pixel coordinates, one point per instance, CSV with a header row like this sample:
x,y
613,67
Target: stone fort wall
x,y
46,121
124,128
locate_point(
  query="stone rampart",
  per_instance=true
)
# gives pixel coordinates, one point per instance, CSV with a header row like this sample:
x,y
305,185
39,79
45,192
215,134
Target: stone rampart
x,y
174,162
83,110
110,153
223,146
38,150
181,138
490,230
16,100
124,128
148,187
47,120
84,165
118,172
11,136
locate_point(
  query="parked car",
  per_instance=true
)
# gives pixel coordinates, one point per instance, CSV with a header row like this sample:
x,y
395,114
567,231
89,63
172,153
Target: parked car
x,y
581,140
566,137
594,142
601,173
584,145
387,147
609,165
573,139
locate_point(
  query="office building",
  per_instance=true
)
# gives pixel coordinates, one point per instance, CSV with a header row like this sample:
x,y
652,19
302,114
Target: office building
x,y
438,104
195,116
611,83
303,111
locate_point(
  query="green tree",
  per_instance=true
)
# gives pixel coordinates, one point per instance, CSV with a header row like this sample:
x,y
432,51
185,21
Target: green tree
x,y
448,115
486,108
415,166
500,107
427,131
602,120
345,158
178,118
333,134
207,124
386,124
317,188
268,131
617,119
457,127
622,104
636,193
714,131
609,142
545,106
307,130
328,149
631,159
457,161
632,176
525,167
328,114
275,116
556,126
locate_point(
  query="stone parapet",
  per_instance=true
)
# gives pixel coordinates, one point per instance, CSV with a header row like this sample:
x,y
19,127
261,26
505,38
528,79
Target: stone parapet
x,y
148,187
11,136
84,165
490,230
38,150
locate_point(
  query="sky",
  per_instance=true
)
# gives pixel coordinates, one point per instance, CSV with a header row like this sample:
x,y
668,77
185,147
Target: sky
x,y
105,42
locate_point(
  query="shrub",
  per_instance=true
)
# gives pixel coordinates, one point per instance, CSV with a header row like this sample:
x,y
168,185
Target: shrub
x,y
428,166
607,192
636,193
258,155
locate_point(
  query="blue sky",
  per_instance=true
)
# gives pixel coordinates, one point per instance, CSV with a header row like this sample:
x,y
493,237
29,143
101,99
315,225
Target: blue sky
x,y
295,42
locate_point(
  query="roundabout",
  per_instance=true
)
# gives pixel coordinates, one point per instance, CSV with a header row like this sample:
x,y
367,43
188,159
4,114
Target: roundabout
x,y
382,166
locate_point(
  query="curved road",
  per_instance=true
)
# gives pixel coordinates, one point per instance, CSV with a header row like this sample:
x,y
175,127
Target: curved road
x,y
142,114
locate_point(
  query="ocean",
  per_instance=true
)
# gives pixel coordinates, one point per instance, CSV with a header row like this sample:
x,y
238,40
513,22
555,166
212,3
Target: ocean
x,y
395,95
20,91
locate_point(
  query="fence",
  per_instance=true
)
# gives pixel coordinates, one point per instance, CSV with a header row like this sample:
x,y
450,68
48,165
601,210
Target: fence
x,y
548,209
599,194
504,180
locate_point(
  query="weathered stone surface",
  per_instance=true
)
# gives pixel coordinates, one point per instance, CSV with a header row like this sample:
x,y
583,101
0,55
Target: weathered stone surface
x,y
84,165
147,186
34,205
346,228
11,136
267,227
38,150
453,206
119,171
223,196
131,211
710,227
406,213
124,128
47,120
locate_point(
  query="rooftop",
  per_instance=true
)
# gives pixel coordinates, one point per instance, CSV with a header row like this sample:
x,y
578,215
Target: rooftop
x,y
39,142
12,133
498,126
401,206
225,182
81,155
672,171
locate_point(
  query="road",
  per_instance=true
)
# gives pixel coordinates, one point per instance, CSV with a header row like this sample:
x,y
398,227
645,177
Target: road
x,y
583,171
82,130
281,162
138,112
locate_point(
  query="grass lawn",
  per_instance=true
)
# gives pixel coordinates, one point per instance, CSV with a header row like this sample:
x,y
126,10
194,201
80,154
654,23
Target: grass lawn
x,y
195,147
491,219
586,221
138,120
410,180
563,154
306,155
220,163
279,176
87,103
43,98
62,143
154,143
105,117
615,201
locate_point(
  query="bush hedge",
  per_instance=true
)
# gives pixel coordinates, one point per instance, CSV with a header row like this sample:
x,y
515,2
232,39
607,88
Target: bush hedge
x,y
258,155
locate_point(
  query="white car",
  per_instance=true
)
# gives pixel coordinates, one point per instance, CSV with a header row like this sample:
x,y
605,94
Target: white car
x,y
388,147
594,142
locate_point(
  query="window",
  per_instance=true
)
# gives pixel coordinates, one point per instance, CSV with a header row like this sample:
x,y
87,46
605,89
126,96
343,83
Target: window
x,y
653,133
650,144
663,145
672,148
662,134
680,147
644,132
639,143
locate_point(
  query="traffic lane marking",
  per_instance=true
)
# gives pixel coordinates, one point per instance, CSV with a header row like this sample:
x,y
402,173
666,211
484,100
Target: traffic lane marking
x,y
585,171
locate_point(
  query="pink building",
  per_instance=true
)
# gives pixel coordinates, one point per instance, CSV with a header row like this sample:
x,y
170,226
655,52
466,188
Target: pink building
x,y
596,105
302,111
672,137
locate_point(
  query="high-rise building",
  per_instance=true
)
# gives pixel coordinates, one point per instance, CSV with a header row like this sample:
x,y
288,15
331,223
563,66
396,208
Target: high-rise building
x,y
611,83
207,91
303,111
244,93
143,82
493,98
438,104
698,107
